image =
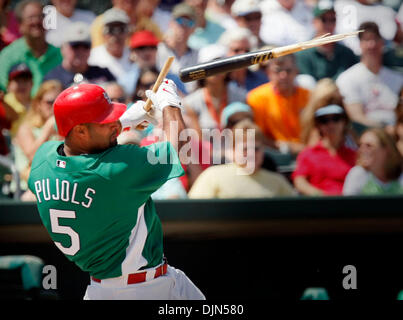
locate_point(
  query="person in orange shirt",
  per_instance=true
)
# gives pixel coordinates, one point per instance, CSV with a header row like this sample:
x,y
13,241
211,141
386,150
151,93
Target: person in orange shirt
x,y
277,105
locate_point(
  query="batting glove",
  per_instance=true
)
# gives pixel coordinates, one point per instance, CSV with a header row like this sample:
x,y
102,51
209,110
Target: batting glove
x,y
165,96
136,115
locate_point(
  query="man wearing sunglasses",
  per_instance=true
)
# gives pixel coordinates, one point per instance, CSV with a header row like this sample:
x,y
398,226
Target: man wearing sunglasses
x,y
76,51
181,26
330,60
113,54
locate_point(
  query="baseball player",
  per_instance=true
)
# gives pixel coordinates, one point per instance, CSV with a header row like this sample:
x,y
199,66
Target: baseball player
x,y
93,195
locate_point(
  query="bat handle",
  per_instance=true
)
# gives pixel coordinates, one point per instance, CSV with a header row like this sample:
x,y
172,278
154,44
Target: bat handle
x,y
161,77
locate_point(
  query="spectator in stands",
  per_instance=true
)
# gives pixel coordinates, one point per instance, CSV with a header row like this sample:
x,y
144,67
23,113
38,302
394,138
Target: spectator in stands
x,y
330,60
285,22
143,48
325,93
146,80
321,169
136,22
277,105
67,14
236,112
247,14
370,89
206,31
9,28
181,26
160,14
37,127
32,49
115,92
398,128
379,166
113,54
18,95
244,177
238,41
353,13
393,54
219,11
76,52
7,117
205,105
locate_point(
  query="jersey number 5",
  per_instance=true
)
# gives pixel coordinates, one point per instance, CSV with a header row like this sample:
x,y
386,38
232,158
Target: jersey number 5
x,y
56,228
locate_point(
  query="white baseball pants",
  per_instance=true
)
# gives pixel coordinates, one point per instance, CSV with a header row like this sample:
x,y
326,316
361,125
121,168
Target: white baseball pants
x,y
174,285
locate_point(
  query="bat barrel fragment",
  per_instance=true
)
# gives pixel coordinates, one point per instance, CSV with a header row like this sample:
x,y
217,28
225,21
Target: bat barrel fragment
x,y
204,70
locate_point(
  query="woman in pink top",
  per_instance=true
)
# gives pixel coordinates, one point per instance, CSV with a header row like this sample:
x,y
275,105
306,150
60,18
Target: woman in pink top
x,y
8,25
321,169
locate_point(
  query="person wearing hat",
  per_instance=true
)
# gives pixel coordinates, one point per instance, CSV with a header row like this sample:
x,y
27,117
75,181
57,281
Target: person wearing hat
x,y
18,95
139,20
241,40
247,14
321,169
113,54
75,50
143,48
66,14
236,112
330,60
32,48
181,26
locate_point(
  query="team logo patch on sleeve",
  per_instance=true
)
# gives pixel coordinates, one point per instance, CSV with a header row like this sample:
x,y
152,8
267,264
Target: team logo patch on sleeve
x,y
61,164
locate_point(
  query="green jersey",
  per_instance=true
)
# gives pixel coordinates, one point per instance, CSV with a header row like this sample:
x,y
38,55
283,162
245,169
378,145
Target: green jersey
x,y
97,207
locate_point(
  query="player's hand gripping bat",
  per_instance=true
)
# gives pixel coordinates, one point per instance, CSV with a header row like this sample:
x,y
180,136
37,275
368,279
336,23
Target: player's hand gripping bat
x,y
164,71
204,70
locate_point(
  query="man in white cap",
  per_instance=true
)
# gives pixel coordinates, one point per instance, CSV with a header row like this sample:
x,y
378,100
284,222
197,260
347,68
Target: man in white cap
x,y
66,14
247,14
113,54
75,49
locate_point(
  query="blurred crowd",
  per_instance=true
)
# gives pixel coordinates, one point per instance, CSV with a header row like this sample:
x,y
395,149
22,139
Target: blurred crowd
x,y
326,121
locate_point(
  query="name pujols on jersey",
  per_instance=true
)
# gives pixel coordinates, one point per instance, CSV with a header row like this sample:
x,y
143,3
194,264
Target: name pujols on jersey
x,y
63,190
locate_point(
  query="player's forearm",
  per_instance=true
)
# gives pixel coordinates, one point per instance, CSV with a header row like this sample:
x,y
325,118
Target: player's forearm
x,y
173,125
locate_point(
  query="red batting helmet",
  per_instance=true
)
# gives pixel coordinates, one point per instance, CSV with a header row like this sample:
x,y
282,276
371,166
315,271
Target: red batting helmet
x,y
84,103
